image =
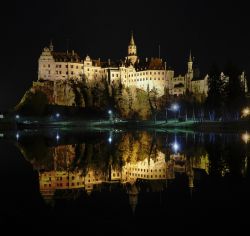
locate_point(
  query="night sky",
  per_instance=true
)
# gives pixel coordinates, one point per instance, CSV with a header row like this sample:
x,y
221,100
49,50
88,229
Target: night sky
x,y
214,30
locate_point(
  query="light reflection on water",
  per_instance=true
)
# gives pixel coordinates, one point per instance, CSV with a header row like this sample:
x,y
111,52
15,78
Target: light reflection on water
x,y
137,164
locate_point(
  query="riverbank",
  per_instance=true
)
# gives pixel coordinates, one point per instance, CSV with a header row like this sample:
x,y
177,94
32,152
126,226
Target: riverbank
x,y
206,126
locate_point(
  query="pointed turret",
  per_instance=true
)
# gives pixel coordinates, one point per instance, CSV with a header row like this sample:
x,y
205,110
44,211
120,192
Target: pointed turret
x,y
132,54
190,57
51,47
190,63
132,42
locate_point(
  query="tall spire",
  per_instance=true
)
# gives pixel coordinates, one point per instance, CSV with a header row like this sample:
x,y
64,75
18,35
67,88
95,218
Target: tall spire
x,y
190,57
132,42
51,47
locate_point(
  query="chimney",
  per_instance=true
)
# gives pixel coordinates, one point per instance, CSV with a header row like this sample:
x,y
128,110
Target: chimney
x,y
165,65
109,62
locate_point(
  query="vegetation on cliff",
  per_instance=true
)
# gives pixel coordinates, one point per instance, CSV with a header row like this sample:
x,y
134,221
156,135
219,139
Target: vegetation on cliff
x,y
98,97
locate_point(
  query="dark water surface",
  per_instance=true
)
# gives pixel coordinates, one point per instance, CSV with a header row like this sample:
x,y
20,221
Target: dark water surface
x,y
125,182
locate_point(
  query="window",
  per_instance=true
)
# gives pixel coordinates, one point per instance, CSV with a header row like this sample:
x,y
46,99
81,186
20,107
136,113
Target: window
x,y
66,66
49,65
72,72
76,67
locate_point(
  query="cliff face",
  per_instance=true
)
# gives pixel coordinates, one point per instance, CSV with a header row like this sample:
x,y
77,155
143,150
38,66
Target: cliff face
x,y
101,96
57,92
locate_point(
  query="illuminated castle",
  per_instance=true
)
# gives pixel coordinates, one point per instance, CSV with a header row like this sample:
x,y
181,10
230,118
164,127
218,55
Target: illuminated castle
x,y
146,74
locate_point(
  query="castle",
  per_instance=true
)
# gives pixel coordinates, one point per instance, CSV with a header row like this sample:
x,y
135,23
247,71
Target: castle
x,y
146,74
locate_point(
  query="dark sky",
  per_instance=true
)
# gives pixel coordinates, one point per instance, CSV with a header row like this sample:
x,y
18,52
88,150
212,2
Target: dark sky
x,y
214,31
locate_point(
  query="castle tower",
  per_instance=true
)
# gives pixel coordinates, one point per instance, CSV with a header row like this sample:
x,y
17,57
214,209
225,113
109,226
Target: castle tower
x,y
51,47
190,63
132,54
190,74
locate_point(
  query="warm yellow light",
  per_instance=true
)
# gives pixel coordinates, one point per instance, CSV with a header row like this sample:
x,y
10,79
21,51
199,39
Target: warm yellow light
x,y
246,111
246,137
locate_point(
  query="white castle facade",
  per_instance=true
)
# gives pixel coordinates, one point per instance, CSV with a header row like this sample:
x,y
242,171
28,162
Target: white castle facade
x,y
145,74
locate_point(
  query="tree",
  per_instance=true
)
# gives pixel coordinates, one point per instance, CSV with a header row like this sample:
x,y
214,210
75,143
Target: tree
x,y
215,97
152,97
234,92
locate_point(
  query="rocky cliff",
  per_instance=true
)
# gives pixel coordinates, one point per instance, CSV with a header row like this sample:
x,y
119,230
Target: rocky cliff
x,y
125,102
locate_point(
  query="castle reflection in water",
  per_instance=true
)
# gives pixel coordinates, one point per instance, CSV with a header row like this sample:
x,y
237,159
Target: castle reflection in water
x,y
131,161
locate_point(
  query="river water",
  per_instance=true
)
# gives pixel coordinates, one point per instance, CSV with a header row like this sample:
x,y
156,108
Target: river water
x,y
124,182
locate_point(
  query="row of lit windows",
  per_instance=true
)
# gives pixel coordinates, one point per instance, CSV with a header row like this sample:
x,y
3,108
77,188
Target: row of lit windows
x,y
135,80
66,66
146,170
67,184
147,176
60,72
146,73
92,70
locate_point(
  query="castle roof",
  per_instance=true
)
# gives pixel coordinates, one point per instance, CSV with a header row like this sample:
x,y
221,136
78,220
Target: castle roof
x,y
152,64
66,56
110,63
